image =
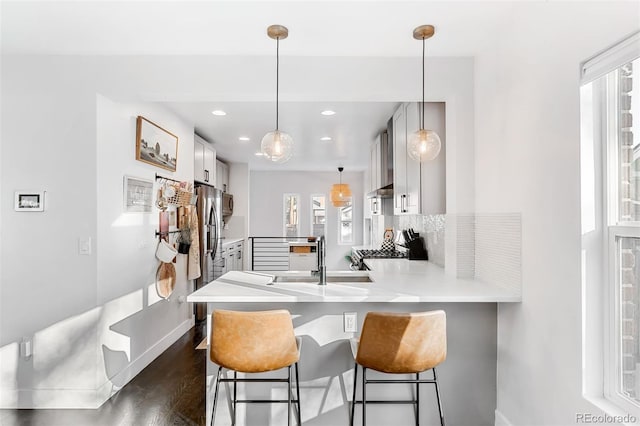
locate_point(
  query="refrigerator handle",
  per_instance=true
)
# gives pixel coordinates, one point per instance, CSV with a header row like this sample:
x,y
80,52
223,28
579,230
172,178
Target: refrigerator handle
x,y
213,215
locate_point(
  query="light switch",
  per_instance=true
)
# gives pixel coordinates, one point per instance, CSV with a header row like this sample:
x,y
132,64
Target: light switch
x,y
84,246
350,322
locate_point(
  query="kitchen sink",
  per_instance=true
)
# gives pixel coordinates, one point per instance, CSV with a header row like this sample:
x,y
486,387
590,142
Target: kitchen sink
x,y
314,279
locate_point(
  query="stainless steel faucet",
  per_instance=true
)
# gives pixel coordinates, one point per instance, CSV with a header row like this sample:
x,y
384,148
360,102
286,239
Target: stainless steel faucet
x,y
322,266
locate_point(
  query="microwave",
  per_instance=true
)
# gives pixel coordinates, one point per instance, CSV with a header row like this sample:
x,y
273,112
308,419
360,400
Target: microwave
x,y
227,206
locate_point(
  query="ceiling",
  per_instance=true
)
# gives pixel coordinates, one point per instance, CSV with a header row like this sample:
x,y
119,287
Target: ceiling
x,y
376,29
351,130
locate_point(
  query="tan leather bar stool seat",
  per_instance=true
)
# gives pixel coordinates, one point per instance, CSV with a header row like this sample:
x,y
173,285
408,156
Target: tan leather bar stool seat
x,y
400,343
254,342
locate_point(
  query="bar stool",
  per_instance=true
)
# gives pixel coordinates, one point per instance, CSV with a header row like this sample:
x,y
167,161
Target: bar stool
x,y
399,343
254,342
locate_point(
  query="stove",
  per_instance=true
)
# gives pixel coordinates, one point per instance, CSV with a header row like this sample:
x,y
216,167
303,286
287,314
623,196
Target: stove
x,y
358,256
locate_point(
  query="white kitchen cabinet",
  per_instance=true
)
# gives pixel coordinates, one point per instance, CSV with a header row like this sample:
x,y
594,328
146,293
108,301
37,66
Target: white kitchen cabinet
x,y
406,172
225,260
239,256
222,176
204,161
374,165
233,256
412,169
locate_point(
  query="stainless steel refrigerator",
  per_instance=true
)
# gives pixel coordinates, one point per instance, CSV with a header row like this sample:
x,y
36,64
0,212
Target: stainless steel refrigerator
x,y
209,207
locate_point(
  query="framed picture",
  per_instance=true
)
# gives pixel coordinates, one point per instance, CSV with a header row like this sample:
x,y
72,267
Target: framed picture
x,y
29,201
155,145
138,195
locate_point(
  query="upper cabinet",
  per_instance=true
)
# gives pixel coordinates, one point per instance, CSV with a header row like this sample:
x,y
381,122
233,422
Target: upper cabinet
x,y
204,167
222,176
418,188
406,173
374,166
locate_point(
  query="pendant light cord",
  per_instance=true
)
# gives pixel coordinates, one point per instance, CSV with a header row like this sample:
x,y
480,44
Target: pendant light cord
x,y
277,76
422,124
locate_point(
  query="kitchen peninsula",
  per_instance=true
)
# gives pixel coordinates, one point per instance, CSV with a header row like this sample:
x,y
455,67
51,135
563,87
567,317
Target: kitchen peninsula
x,y
468,376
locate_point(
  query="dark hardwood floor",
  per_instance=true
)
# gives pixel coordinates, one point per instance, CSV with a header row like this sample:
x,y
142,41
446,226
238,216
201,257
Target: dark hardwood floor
x,y
170,391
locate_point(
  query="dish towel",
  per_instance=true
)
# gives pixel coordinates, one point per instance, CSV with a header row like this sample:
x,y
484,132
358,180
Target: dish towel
x,y
193,266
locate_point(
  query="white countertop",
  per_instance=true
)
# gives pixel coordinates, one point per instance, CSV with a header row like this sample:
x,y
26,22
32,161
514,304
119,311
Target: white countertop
x,y
394,280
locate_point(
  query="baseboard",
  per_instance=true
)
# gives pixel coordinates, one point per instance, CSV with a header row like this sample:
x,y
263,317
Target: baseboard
x,y
107,390
501,420
89,398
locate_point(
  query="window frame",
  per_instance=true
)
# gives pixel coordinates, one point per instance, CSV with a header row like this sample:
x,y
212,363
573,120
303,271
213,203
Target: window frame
x,y
284,210
312,213
615,229
340,222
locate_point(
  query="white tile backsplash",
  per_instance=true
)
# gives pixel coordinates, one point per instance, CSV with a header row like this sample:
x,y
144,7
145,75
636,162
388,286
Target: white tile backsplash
x,y
430,227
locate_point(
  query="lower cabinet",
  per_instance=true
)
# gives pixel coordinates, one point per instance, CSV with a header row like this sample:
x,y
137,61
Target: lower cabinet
x,y
233,256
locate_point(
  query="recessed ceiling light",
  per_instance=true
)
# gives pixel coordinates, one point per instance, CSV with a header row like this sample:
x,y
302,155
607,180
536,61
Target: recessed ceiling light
x,y
325,138
259,154
244,138
218,112
328,112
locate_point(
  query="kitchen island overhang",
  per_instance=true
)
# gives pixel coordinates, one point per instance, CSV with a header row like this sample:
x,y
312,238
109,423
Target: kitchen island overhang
x,y
468,376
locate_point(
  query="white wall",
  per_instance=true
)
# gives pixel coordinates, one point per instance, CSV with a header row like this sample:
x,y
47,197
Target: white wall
x,y
134,321
527,160
266,210
94,320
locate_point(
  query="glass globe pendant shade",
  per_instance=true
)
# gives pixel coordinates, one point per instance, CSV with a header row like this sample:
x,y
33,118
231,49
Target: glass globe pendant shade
x,y
277,146
424,145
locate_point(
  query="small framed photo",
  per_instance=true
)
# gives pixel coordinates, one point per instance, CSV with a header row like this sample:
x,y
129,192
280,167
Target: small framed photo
x,y
155,145
29,201
138,195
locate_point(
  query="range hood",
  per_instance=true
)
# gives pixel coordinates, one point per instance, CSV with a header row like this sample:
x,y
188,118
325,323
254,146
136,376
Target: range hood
x,y
384,164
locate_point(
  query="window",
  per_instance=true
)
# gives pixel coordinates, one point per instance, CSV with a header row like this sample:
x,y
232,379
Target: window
x,y
345,227
318,215
612,105
622,372
291,216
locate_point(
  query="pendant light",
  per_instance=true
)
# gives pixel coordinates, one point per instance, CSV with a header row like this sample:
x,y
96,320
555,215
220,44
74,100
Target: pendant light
x,y
423,145
277,146
340,193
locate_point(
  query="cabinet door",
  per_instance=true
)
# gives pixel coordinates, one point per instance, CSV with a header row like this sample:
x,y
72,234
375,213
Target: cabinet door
x,y
372,168
226,265
238,265
239,256
412,201
198,160
399,160
222,176
231,261
210,165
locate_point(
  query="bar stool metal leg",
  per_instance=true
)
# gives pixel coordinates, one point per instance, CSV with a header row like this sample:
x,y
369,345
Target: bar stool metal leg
x,y
235,397
435,382
215,395
353,400
298,394
364,396
417,400
289,396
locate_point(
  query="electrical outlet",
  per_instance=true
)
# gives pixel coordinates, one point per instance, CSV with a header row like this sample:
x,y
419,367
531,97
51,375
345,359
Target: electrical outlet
x,y
350,322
